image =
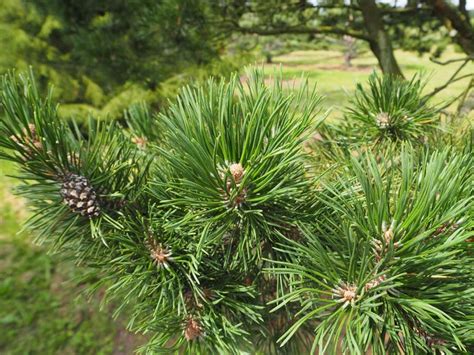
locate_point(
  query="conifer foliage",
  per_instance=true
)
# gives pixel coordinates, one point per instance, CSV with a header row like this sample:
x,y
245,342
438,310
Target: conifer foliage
x,y
208,224
393,109
391,270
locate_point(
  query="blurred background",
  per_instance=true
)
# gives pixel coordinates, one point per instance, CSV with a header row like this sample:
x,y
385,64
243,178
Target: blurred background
x,y
102,56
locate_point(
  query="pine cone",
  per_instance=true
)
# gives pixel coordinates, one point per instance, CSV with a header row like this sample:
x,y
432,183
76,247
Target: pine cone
x,y
79,195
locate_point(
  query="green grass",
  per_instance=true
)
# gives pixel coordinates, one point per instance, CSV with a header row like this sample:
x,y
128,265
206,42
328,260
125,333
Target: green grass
x,y
42,311
337,83
39,312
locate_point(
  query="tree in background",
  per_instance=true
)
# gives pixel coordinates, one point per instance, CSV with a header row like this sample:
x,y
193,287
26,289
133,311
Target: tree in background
x,y
95,51
115,41
304,17
350,51
381,26
104,55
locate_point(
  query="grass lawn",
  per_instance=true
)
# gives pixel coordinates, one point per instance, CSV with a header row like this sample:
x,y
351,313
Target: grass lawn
x,y
337,83
41,308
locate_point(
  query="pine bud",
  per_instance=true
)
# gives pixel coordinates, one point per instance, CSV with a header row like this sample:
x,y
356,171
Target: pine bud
x,y
248,281
446,227
382,120
382,247
375,282
318,137
30,138
141,142
192,329
237,172
347,293
160,255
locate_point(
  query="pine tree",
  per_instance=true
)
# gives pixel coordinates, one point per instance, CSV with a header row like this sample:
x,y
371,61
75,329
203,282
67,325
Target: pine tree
x,y
209,223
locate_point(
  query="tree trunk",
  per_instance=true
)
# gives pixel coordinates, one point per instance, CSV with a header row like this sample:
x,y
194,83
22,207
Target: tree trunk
x,y
458,20
462,8
380,42
350,50
347,59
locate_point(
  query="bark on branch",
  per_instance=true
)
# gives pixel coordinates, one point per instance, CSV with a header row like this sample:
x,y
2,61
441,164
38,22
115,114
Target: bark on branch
x,y
454,78
458,20
302,30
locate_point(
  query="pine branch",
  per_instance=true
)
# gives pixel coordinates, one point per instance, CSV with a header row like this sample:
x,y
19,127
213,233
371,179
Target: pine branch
x,y
217,237
394,259
391,110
